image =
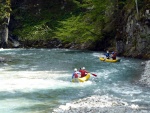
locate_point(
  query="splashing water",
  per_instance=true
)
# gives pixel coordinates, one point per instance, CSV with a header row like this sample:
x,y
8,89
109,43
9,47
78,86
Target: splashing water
x,y
38,80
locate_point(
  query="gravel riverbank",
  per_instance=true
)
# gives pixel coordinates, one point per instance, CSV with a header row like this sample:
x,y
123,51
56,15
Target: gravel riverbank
x,y
145,78
100,104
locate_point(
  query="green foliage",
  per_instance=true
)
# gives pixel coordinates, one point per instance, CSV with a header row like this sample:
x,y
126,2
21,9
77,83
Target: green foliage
x,y
99,16
34,27
87,25
67,24
74,29
4,10
37,32
72,21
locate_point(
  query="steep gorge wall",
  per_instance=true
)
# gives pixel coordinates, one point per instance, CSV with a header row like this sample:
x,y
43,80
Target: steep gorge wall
x,y
135,34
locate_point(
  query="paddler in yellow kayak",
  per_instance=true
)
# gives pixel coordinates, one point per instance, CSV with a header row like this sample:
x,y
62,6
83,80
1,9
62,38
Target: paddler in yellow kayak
x,y
76,74
83,72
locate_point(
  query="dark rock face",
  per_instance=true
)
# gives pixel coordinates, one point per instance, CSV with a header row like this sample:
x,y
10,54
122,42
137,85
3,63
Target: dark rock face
x,y
138,38
136,33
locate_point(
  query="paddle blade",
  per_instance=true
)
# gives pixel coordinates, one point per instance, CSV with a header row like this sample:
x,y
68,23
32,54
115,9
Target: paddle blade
x,y
94,75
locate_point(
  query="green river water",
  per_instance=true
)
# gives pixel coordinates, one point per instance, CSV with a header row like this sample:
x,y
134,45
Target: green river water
x,y
38,80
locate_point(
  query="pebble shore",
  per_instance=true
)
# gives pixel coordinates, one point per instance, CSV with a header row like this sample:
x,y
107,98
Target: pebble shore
x,y
99,104
145,78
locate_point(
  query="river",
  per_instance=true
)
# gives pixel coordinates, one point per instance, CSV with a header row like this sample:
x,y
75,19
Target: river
x,y
38,80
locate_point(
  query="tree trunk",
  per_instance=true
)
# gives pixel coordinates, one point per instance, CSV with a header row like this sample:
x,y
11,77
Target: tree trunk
x,y
5,32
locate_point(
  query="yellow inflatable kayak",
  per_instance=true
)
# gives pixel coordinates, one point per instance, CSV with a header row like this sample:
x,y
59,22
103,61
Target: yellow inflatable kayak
x,y
109,60
83,79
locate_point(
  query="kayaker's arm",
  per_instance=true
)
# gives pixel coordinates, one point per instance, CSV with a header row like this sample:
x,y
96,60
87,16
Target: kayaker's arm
x,y
72,75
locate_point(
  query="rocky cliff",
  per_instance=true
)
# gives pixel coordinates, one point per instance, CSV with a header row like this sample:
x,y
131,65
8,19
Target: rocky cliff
x,y
134,37
137,36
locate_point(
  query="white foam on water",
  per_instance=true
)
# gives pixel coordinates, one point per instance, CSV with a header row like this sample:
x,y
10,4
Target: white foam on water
x,y
27,54
106,73
136,100
98,54
12,82
126,89
12,105
27,81
132,93
1,49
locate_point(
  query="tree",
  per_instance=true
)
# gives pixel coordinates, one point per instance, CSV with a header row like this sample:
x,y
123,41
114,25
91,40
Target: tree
x,y
5,10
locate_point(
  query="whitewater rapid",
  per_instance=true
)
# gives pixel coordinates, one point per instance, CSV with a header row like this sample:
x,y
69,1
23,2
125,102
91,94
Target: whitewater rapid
x,y
109,104
38,81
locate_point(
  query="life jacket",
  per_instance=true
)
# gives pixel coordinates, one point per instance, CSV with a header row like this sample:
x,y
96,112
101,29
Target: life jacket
x,y
75,75
114,56
83,72
107,55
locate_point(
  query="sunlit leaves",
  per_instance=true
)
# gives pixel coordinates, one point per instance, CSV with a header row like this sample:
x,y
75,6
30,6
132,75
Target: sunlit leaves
x,y
69,20
74,29
5,9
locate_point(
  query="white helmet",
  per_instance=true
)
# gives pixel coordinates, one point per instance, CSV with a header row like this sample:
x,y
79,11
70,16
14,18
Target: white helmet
x,y
75,69
83,68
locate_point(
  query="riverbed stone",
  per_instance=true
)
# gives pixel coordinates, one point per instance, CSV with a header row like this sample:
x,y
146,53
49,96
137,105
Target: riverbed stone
x,y
99,104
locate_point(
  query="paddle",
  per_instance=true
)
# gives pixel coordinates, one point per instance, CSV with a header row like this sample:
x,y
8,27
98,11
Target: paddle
x,y
94,74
